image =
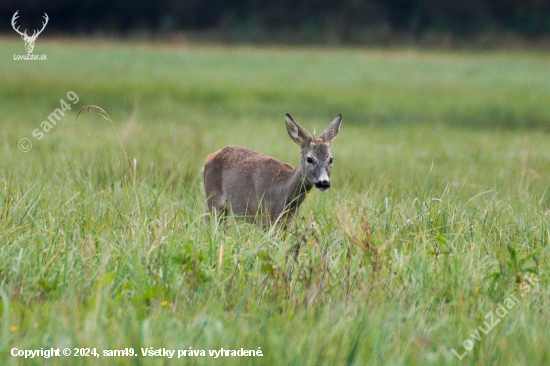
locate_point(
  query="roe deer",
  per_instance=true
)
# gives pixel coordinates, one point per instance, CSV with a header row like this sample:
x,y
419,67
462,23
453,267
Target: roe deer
x,y
258,187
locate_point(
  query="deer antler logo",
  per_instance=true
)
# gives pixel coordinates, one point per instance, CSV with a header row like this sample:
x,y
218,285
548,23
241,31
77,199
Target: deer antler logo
x,y
29,41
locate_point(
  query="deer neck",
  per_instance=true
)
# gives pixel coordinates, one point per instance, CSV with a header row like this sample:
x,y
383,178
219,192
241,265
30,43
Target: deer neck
x,y
297,187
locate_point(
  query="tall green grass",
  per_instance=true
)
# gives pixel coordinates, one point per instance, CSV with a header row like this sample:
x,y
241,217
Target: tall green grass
x,y
438,210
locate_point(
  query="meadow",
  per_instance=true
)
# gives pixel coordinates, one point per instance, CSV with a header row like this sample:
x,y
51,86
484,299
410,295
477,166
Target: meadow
x,y
439,205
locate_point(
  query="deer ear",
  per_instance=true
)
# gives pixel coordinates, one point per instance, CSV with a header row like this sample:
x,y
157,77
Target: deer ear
x,y
331,131
297,133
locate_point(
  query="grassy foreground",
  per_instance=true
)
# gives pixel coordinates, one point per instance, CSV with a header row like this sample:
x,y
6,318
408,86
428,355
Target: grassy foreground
x,y
438,211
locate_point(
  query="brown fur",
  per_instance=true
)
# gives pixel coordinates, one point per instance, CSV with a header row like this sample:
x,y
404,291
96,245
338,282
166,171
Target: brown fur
x,y
251,166
255,186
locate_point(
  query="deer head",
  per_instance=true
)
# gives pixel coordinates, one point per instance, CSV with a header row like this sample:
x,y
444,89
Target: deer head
x,y
316,159
29,41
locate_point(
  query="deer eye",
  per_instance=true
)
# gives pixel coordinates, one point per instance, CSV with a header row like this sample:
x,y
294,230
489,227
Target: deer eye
x,y
331,160
309,160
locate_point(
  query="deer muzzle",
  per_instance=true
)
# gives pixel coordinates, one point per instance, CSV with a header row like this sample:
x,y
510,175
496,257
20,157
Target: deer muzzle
x,y
322,185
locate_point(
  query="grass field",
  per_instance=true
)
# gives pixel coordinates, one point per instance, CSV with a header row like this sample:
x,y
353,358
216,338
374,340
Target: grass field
x,y
439,206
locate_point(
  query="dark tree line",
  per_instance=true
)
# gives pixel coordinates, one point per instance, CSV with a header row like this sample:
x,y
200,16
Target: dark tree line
x,y
345,20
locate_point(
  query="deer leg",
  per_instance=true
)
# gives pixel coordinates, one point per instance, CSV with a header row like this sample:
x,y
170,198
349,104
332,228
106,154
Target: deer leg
x,y
215,208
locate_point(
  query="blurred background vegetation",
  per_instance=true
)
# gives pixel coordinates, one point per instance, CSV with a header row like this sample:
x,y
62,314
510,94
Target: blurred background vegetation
x,y
439,22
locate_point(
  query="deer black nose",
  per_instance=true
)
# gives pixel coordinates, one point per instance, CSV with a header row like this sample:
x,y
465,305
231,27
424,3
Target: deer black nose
x,y
323,184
